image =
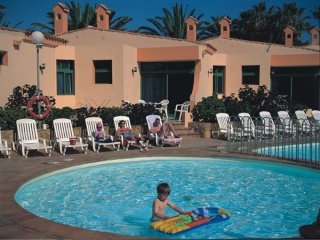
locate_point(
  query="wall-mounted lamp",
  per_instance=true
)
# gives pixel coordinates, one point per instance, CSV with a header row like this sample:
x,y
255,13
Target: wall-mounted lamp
x,y
210,71
42,66
135,69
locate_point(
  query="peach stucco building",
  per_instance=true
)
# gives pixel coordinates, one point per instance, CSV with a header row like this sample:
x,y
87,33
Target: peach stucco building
x,y
97,66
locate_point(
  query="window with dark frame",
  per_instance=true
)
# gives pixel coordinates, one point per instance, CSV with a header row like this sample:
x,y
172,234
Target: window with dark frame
x,y
218,79
3,58
65,77
103,71
251,75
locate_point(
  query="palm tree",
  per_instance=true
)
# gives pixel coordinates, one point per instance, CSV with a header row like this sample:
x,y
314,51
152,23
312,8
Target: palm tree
x,y
119,23
212,28
172,24
255,24
291,15
79,18
46,28
2,7
316,13
266,25
4,23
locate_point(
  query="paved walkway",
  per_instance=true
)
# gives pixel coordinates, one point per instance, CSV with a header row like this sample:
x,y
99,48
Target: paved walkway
x,y
16,223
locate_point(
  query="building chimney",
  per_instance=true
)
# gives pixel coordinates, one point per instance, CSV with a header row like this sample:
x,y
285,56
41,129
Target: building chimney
x,y
103,17
314,32
191,29
225,27
60,12
288,37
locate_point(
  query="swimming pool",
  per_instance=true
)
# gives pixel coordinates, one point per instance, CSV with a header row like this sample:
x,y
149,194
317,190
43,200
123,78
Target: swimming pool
x,y
266,200
309,152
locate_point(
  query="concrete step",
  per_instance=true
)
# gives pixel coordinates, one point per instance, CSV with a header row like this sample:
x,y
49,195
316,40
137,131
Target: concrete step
x,y
183,131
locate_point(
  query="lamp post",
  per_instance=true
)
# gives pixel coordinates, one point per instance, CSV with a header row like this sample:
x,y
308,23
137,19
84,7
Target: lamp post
x,y
37,38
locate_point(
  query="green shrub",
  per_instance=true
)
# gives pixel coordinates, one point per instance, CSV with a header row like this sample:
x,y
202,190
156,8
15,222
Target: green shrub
x,y
107,114
8,117
231,104
297,106
65,112
252,101
21,96
83,113
206,110
138,112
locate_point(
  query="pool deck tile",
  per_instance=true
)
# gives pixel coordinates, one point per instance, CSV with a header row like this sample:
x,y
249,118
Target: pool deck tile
x,y
16,223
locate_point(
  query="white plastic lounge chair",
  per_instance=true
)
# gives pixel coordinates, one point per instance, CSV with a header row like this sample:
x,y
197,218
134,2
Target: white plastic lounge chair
x,y
224,123
304,124
269,128
287,124
163,107
91,125
63,136
4,146
247,124
140,101
160,141
184,107
316,117
116,121
226,128
28,137
150,120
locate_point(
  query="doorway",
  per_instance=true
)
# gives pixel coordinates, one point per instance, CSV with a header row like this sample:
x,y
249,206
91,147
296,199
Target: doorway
x,y
167,80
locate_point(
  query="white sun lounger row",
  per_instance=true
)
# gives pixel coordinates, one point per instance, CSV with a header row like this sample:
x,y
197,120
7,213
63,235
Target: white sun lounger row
x,y
64,137
248,129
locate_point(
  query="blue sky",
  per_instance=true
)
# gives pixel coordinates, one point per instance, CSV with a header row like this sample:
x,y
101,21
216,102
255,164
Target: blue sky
x,y
29,11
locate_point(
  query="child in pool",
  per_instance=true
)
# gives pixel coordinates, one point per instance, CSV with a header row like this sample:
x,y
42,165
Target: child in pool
x,y
161,202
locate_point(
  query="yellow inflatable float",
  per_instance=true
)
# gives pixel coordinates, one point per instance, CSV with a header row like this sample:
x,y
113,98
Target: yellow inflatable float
x,y
191,220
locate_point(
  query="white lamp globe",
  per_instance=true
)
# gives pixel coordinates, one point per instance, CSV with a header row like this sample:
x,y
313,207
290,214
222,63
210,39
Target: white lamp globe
x,y
37,37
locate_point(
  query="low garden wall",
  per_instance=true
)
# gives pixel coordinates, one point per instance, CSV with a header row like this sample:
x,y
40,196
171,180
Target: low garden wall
x,y
205,129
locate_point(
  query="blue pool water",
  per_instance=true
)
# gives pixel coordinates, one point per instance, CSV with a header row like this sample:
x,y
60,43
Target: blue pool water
x,y
298,151
266,200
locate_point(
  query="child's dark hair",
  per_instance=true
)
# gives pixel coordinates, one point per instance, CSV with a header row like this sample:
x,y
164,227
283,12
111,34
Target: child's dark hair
x,y
163,188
